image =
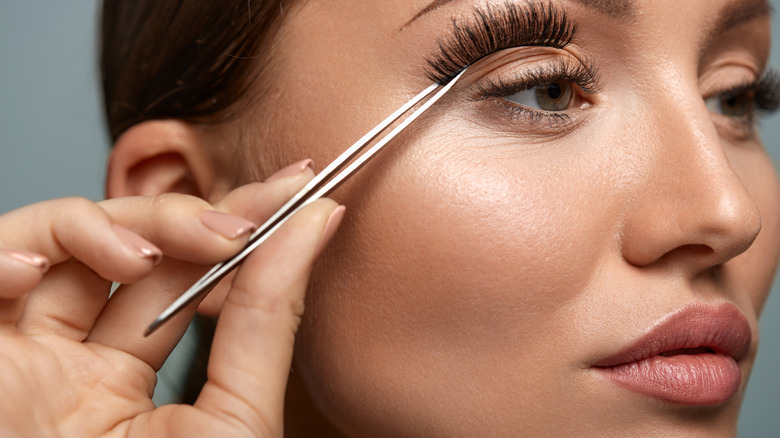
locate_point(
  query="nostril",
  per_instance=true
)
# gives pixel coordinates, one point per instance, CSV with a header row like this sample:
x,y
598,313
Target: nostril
x,y
698,249
693,249
698,216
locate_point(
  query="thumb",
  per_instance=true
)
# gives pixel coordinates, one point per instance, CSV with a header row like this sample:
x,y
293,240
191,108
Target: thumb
x,y
253,343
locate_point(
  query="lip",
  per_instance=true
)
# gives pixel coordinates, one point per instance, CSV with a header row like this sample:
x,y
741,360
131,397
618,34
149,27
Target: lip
x,y
690,357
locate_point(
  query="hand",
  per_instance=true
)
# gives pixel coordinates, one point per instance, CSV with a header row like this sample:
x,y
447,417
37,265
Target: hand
x,y
75,363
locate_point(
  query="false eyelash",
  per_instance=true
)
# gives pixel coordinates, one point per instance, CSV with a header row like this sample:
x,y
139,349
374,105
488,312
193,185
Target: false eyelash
x,y
499,27
767,92
585,76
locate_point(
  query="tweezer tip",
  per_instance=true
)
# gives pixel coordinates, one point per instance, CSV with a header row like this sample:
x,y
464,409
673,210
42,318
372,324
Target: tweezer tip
x,y
446,80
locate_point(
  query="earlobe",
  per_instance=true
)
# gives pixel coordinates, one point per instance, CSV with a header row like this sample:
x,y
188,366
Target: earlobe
x,y
160,156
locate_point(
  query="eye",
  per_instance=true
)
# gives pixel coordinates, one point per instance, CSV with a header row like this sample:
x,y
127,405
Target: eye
x,y
736,105
554,96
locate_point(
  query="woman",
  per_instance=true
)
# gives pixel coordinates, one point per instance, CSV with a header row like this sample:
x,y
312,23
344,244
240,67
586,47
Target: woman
x,y
576,241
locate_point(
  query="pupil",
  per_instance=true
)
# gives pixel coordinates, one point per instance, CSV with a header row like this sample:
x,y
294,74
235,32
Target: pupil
x,y
554,91
731,101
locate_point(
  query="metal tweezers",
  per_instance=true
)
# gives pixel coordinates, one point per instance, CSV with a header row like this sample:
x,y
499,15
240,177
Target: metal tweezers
x,y
322,185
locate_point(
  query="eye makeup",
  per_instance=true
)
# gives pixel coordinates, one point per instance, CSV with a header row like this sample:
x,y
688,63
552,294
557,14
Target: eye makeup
x,y
559,76
497,27
744,104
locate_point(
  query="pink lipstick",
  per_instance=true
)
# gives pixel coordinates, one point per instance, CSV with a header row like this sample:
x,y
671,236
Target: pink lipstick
x,y
690,357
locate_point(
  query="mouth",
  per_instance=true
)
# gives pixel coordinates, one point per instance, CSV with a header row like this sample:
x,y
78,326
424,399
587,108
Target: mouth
x,y
679,351
690,358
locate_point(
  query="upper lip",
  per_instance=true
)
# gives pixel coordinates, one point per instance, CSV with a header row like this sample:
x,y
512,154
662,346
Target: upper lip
x,y
722,329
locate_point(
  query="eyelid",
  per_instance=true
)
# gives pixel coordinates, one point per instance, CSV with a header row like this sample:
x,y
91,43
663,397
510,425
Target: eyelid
x,y
584,74
766,89
765,99
487,94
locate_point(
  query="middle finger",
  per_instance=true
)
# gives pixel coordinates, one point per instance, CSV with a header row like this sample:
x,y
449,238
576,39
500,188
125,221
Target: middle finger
x,y
121,328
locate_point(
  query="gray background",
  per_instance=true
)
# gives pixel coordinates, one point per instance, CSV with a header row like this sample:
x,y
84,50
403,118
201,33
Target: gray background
x,y
52,144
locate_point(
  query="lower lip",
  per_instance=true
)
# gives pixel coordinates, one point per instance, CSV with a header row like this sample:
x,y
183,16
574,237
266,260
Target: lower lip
x,y
689,379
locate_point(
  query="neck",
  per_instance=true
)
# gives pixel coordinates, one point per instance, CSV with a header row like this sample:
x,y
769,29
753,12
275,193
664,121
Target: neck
x,y
302,418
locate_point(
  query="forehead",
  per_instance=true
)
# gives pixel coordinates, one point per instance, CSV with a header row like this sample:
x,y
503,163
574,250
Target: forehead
x,y
384,22
385,19
387,40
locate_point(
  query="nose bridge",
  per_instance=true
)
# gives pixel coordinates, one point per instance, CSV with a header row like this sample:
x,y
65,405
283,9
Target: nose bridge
x,y
691,164
690,195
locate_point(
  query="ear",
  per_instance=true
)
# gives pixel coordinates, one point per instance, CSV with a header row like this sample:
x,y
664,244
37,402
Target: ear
x,y
160,156
163,156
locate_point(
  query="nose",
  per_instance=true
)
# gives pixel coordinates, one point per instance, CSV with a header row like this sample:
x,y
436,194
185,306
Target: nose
x,y
690,203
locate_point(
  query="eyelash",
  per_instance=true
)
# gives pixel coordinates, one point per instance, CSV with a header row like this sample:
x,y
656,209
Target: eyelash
x,y
499,27
765,95
509,25
584,76
764,92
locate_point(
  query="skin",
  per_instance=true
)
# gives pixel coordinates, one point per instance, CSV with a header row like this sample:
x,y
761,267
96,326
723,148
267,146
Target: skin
x,y
484,265
77,365
487,264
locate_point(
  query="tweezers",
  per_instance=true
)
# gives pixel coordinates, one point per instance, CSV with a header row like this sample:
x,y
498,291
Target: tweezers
x,y
322,185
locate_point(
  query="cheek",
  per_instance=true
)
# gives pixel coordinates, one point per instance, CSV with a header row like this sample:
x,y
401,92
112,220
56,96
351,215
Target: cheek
x,y
450,268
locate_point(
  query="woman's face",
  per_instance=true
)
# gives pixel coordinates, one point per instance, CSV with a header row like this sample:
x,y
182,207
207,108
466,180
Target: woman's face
x,y
579,237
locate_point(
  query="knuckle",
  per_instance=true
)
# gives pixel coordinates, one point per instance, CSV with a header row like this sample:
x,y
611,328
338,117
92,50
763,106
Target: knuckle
x,y
166,206
162,200
164,203
274,303
76,206
77,211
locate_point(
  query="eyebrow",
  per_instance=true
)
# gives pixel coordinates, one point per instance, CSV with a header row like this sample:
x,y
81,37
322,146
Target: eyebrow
x,y
733,15
622,9
740,12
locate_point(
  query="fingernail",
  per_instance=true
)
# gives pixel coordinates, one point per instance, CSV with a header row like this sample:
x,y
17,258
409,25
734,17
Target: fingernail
x,y
292,170
142,247
227,225
30,258
330,228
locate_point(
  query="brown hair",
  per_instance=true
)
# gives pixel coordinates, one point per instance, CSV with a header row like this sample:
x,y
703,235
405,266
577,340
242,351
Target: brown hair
x,y
190,60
